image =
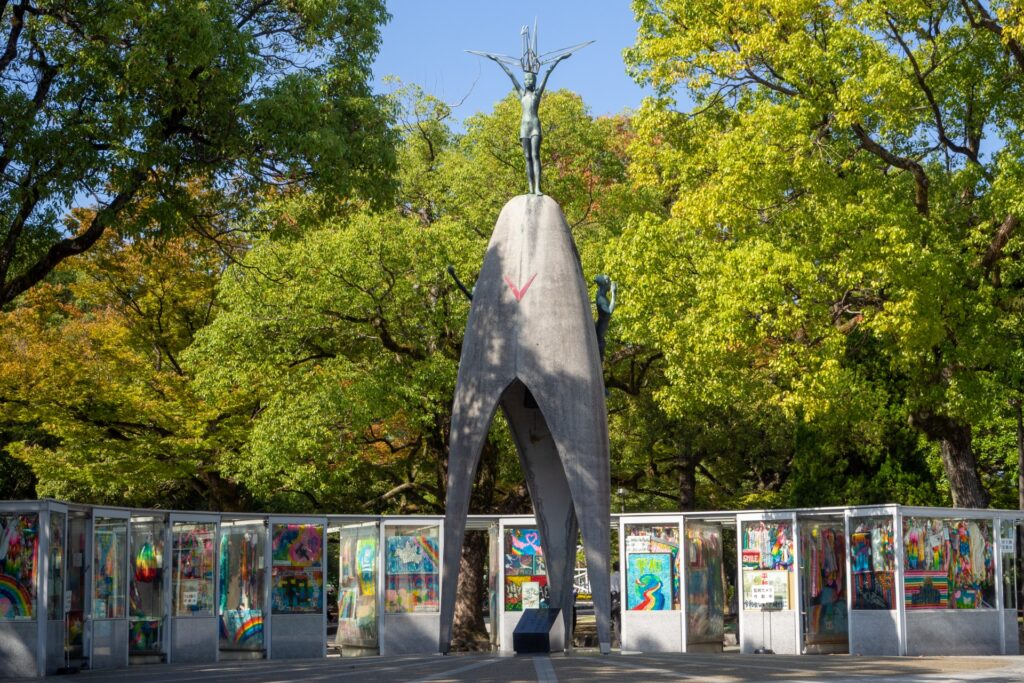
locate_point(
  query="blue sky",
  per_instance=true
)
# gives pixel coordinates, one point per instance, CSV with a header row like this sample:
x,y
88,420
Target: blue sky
x,y
425,44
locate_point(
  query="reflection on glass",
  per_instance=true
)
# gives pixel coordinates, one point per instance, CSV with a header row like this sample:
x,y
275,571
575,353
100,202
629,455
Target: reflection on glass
x,y
705,595
526,579
652,567
823,580
78,524
55,581
194,566
241,585
873,560
297,571
767,555
357,586
19,562
1008,547
411,569
110,545
949,563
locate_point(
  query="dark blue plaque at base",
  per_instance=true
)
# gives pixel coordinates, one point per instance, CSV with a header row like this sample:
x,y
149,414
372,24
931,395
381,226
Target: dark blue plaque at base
x,y
533,632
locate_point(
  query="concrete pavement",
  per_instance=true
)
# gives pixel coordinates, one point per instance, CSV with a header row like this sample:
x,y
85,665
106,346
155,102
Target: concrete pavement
x,y
585,666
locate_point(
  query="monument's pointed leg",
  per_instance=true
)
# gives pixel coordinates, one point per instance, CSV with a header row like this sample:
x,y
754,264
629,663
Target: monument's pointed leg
x,y
471,419
552,499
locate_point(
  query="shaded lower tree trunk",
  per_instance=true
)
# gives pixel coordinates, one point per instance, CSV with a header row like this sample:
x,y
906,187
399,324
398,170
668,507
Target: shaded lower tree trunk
x,y
687,481
469,631
954,439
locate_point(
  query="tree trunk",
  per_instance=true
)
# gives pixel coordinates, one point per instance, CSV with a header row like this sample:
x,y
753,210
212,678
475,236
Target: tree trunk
x,y
954,439
469,630
687,482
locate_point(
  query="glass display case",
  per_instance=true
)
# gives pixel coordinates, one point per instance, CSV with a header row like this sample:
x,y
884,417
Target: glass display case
x,y
705,592
110,554
357,586
873,563
652,567
526,580
948,563
411,576
19,564
56,568
193,569
297,576
146,595
242,571
1008,549
823,584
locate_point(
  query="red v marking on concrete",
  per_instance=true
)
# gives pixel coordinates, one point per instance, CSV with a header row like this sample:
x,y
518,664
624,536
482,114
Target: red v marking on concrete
x,y
516,292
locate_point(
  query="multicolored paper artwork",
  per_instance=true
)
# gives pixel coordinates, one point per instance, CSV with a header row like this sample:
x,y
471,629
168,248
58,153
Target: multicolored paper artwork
x,y
523,553
19,561
412,554
297,545
767,545
144,635
298,580
926,589
242,628
648,581
860,549
874,590
366,561
526,592
411,593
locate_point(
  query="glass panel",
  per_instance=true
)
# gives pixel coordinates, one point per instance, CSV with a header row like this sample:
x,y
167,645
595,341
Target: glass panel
x,y
411,572
705,594
823,577
194,566
242,563
78,529
55,579
298,575
1008,547
19,562
146,599
873,558
767,556
949,563
110,541
652,566
526,578
357,586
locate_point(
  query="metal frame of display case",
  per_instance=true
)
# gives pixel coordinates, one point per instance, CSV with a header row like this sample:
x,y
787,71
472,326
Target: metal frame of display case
x,y
770,516
501,623
862,512
388,621
231,520
336,524
268,623
664,618
199,629
92,623
166,599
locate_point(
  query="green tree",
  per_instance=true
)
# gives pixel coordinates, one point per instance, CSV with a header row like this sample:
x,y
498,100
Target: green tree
x,y
848,181
93,387
128,104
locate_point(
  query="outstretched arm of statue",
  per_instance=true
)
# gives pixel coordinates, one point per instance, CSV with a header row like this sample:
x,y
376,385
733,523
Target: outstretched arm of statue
x,y
543,83
515,81
458,283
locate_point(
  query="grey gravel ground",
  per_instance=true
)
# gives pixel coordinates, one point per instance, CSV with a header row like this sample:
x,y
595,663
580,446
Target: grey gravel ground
x,y
585,666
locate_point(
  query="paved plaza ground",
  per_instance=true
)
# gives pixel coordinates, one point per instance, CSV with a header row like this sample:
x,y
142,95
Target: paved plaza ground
x,y
584,666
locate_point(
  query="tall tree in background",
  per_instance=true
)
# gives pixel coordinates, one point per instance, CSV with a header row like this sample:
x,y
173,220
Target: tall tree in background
x,y
845,196
104,101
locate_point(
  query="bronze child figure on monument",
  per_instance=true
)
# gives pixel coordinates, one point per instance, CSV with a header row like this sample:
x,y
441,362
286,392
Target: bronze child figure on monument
x,y
530,95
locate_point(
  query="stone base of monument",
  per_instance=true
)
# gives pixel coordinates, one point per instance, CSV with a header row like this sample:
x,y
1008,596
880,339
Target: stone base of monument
x,y
539,631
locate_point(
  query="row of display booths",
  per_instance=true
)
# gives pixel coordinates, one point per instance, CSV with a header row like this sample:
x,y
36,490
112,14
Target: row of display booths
x,y
108,587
